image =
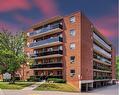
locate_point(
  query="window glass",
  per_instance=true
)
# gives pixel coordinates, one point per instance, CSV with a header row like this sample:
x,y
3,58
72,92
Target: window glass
x,y
60,47
72,46
72,58
72,19
72,32
72,73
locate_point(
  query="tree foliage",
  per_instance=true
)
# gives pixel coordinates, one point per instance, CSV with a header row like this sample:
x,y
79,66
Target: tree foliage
x,y
117,67
11,51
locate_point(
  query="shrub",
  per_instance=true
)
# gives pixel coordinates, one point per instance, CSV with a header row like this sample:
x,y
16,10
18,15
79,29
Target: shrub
x,y
56,80
31,79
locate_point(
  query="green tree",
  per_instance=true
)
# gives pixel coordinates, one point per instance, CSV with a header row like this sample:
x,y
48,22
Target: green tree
x,y
117,67
12,54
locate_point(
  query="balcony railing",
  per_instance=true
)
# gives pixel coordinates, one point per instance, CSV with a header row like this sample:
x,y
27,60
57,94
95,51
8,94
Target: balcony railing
x,y
97,48
45,29
44,42
101,59
103,68
47,65
46,53
101,41
101,77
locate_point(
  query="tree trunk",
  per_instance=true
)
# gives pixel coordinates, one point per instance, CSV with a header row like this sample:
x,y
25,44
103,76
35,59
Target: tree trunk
x,y
12,81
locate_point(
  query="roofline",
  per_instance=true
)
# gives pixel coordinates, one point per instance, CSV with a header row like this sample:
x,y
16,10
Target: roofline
x,y
47,21
56,18
52,19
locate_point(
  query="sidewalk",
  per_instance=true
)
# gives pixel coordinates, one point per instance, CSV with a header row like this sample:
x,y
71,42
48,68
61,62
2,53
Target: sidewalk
x,y
32,87
1,92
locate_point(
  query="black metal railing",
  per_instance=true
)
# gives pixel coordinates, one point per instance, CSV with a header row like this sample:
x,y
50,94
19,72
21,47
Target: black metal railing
x,y
101,77
46,53
47,65
102,67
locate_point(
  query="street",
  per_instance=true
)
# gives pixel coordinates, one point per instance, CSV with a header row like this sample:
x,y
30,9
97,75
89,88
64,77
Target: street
x,y
110,90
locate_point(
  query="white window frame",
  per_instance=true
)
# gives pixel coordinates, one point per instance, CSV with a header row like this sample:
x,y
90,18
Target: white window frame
x,y
72,46
72,19
72,32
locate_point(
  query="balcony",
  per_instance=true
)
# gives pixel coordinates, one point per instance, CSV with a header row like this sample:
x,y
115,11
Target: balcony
x,y
103,71
102,78
103,67
100,62
47,66
47,54
46,30
46,42
100,51
98,40
101,59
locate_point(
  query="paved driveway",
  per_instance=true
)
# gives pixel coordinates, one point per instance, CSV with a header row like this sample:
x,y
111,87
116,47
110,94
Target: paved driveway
x,y
110,90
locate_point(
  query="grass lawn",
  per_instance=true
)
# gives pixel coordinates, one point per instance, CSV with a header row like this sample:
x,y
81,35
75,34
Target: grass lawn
x,y
17,85
56,87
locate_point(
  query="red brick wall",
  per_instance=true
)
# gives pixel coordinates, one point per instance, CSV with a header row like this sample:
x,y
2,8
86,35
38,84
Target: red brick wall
x,y
68,52
86,49
113,64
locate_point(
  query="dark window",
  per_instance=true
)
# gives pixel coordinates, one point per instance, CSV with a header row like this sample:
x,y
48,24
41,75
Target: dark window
x,y
59,72
72,59
72,71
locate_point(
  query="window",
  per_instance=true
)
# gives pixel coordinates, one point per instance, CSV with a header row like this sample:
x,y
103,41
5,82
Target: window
x,y
59,72
60,48
50,49
50,72
44,50
35,51
36,72
72,46
72,32
60,35
51,60
59,59
72,19
72,59
72,72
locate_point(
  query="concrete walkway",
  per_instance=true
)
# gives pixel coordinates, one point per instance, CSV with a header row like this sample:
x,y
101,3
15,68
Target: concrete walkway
x,y
1,92
32,87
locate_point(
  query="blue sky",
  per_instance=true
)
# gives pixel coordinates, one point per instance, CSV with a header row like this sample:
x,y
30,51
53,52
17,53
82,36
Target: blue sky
x,y
20,14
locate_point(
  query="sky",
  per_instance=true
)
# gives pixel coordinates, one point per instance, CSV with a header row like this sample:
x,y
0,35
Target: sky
x,y
20,14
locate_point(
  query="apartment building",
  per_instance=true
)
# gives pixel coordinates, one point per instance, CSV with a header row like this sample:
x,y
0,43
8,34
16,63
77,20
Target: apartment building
x,y
71,48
